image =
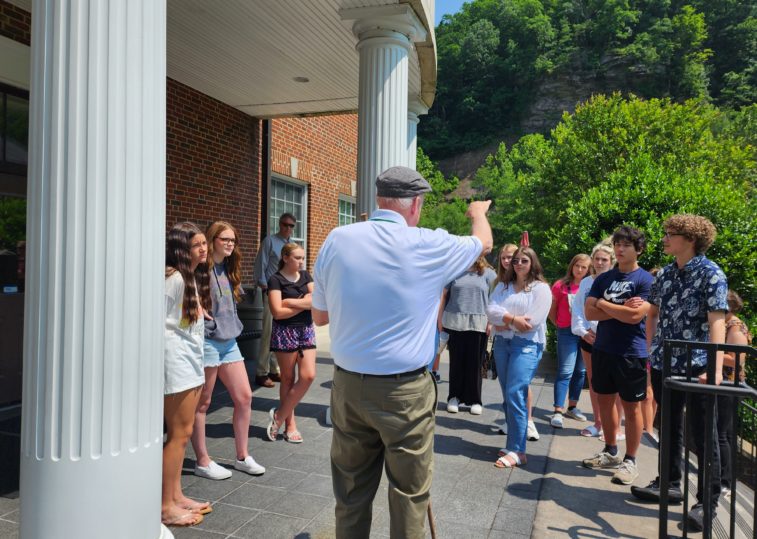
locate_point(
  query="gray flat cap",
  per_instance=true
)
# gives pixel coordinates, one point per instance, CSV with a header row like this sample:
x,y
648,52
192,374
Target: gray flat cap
x,y
401,182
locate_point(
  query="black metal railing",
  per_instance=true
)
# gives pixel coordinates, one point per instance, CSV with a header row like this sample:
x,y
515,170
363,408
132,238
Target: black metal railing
x,y
689,384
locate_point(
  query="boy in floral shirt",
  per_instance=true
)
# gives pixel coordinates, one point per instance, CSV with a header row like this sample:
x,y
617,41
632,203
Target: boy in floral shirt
x,y
688,303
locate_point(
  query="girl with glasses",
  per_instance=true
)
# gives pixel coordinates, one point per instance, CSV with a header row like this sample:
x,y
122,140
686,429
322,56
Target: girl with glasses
x,y
290,291
222,356
518,310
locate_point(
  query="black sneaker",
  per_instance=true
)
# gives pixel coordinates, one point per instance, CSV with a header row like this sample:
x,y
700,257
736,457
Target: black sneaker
x,y
651,493
695,521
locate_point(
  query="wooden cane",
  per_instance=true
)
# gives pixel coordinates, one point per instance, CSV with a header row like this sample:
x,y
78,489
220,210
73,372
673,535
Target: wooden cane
x,y
431,524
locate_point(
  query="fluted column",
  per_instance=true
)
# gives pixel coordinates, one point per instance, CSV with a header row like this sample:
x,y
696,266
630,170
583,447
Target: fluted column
x,y
415,109
385,37
91,436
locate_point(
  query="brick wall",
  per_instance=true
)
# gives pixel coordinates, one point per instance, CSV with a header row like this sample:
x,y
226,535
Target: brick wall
x,y
15,23
213,166
326,150
214,158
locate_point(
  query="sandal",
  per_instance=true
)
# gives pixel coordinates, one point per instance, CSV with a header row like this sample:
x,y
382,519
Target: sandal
x,y
184,521
199,508
293,437
511,460
591,431
272,431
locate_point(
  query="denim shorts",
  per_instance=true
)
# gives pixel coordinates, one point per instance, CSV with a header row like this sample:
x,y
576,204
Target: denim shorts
x,y
219,353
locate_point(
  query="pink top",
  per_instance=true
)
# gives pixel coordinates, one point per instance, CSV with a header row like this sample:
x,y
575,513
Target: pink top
x,y
563,295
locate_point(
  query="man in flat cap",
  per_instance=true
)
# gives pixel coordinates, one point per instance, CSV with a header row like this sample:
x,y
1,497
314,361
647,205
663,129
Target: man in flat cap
x,y
378,284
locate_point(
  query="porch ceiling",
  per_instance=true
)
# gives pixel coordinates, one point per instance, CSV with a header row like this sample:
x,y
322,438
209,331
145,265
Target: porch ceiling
x,y
247,53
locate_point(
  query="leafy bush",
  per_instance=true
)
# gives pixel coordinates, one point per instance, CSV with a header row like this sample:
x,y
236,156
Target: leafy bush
x,y
12,222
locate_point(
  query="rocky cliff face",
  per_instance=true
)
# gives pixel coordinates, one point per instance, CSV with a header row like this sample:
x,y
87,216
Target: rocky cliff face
x,y
558,93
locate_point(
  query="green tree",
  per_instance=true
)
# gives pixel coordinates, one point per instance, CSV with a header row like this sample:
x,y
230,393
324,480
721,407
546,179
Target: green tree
x,y
438,211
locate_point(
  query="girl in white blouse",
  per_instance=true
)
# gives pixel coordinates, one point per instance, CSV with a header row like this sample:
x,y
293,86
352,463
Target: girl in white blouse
x,y
518,310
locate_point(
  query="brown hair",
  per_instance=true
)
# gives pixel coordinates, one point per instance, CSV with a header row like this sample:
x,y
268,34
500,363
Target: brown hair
x,y
694,228
735,303
287,250
233,262
178,246
481,264
534,274
500,270
576,259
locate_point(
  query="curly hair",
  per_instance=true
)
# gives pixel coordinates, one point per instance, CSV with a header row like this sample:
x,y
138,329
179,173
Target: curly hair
x,y
694,228
233,261
197,283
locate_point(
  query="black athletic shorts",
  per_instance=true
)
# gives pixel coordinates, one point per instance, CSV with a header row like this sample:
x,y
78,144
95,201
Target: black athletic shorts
x,y
626,376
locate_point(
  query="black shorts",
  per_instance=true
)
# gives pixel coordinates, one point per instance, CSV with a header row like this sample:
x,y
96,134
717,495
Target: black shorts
x,y
626,376
586,347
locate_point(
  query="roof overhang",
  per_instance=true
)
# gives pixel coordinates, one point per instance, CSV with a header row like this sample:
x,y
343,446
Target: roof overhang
x,y
282,58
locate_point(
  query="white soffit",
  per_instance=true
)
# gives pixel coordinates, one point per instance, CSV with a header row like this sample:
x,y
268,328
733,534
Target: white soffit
x,y
247,53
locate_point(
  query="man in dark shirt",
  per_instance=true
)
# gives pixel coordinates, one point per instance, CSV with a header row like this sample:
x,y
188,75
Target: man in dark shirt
x,y
618,299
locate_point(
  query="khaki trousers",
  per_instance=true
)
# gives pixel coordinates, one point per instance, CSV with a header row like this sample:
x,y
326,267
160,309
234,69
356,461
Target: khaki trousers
x,y
266,360
377,422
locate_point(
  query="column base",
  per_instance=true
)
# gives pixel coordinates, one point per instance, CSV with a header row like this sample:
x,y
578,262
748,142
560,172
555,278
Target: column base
x,y
165,533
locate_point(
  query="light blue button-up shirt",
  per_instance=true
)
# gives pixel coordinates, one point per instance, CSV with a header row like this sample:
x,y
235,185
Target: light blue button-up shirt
x,y
381,282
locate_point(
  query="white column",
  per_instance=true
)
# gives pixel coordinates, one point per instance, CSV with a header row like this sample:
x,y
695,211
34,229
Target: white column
x,y
385,36
415,109
91,437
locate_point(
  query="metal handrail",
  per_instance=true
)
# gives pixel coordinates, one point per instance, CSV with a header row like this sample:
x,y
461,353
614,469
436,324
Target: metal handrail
x,y
687,384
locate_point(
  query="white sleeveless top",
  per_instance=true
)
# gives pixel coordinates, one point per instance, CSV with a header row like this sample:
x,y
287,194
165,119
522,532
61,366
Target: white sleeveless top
x,y
183,367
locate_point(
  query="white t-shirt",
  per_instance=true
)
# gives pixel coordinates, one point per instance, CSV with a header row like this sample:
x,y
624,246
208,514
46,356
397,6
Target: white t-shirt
x,y
381,282
183,367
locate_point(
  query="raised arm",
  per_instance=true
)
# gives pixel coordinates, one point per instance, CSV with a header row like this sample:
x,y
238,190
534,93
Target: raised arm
x,y
480,224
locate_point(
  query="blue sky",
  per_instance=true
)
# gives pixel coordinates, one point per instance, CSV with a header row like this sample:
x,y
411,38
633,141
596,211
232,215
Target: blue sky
x,y
444,7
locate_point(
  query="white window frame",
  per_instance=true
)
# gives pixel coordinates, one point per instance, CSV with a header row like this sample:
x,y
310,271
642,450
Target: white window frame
x,y
349,200
272,222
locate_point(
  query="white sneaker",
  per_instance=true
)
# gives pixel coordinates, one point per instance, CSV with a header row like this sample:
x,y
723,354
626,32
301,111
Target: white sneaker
x,y
212,471
476,409
531,432
453,405
556,420
248,465
576,414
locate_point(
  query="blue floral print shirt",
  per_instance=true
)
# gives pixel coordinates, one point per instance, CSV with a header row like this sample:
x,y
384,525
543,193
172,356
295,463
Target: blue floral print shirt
x,y
684,297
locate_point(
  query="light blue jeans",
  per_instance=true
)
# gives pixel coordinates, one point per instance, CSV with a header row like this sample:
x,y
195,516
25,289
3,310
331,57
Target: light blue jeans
x,y
571,371
516,361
